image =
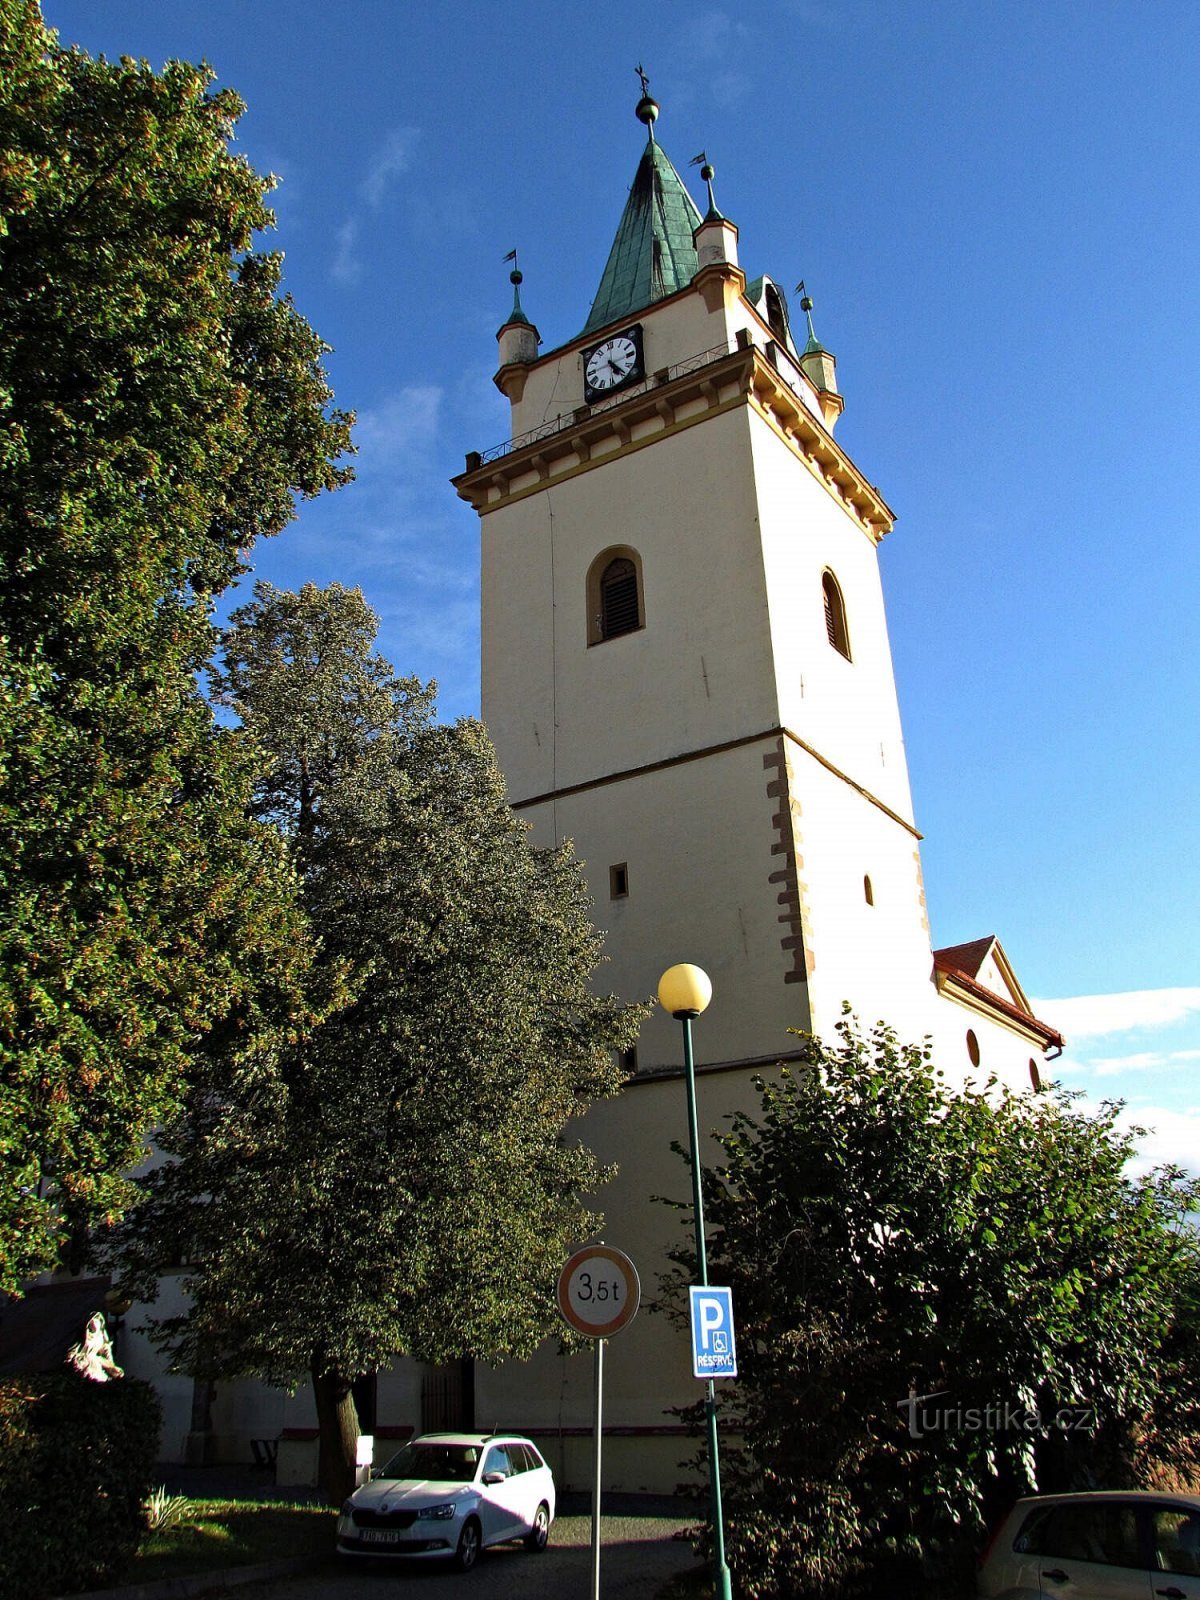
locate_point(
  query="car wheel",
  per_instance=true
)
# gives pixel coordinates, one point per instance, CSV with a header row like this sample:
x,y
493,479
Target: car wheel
x,y
469,1544
536,1538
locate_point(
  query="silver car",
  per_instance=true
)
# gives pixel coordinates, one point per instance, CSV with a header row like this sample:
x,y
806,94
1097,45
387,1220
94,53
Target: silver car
x,y
448,1495
1125,1545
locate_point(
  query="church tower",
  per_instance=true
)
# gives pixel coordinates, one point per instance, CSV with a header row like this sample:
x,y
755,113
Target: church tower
x,y
686,670
686,666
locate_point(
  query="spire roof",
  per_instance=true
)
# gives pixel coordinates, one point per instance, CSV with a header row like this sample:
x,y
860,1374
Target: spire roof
x,y
653,253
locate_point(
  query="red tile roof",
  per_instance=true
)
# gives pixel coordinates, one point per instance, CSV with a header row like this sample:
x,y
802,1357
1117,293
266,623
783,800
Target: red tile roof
x,y
967,958
961,963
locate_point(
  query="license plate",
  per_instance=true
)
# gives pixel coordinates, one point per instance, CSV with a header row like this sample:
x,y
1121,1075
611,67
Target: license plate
x,y
378,1535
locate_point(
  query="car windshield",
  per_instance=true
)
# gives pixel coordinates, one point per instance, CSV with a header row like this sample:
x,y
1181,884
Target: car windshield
x,y
447,1463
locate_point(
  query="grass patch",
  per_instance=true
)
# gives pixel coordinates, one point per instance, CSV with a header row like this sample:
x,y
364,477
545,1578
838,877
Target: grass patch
x,y
213,1534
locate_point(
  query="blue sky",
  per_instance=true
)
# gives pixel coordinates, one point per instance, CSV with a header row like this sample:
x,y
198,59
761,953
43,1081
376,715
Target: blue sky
x,y
994,206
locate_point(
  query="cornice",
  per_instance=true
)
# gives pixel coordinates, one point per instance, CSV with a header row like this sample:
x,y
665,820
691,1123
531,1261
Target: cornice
x,y
602,780
591,437
972,996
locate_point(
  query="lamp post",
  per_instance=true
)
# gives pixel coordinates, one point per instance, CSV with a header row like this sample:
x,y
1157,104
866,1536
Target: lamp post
x,y
685,991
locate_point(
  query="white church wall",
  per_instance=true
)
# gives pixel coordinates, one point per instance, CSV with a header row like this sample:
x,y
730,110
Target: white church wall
x,y
697,840
141,1359
847,709
874,955
699,672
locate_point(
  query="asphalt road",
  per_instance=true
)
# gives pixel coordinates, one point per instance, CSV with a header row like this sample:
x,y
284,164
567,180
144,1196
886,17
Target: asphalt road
x,y
638,1556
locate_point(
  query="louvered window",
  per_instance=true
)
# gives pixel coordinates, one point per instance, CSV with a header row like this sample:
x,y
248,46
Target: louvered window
x,y
619,612
835,615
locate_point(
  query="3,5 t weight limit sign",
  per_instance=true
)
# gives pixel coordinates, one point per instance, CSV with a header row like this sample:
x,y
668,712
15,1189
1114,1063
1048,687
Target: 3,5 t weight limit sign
x,y
598,1291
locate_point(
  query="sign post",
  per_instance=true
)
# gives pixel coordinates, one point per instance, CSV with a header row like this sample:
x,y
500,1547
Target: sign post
x,y
598,1295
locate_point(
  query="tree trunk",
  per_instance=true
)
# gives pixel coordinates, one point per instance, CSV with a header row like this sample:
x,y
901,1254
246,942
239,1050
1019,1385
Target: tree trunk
x,y
337,1419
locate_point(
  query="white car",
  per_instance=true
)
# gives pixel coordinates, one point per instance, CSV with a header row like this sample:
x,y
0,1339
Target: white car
x,y
1117,1545
450,1495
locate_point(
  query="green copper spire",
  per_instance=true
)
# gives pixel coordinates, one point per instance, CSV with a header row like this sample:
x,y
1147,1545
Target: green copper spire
x,y
708,172
517,278
814,347
653,254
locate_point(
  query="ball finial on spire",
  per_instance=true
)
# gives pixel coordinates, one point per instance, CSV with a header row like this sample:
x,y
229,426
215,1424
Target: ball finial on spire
x,y
646,109
708,172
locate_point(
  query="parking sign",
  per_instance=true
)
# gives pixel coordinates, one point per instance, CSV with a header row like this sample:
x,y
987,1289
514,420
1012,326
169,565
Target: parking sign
x,y
714,1354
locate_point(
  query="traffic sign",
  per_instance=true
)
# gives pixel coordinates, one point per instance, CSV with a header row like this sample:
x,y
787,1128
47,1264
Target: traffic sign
x,y
714,1354
598,1291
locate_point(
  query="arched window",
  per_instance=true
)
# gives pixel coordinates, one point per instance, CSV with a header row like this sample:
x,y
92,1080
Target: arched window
x,y
973,1052
835,615
614,595
776,315
868,889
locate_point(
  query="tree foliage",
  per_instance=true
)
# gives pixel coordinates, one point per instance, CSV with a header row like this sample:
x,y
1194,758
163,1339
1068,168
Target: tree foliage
x,y
160,408
888,1239
402,1182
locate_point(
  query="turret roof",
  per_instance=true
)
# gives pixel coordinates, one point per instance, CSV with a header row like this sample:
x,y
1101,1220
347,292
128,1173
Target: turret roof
x,y
653,254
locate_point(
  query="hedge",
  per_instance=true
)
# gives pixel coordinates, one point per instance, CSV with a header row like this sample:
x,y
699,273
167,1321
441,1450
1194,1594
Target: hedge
x,y
76,1464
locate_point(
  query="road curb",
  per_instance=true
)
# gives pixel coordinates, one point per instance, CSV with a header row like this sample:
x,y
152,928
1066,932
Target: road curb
x,y
212,1582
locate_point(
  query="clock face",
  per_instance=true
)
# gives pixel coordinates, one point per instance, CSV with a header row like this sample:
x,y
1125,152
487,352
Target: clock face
x,y
615,362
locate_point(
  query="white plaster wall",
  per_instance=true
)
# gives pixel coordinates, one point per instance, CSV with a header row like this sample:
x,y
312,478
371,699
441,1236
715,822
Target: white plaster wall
x,y
1002,1053
697,839
141,1359
699,673
848,710
877,957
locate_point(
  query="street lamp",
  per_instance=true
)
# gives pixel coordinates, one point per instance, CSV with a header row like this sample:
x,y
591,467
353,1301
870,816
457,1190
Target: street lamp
x,y
685,991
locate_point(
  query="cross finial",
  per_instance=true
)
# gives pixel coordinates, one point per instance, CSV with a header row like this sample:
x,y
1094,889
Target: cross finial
x,y
645,80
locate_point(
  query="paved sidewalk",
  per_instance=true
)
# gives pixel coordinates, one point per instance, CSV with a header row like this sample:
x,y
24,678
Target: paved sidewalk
x,y
638,1557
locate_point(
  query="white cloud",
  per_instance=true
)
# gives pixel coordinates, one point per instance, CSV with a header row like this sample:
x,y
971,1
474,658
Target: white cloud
x,y
1142,1061
1172,1136
399,434
392,158
346,267
1091,1016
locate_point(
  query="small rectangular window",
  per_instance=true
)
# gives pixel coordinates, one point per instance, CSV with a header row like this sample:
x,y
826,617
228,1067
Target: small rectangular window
x,y
618,881
629,1059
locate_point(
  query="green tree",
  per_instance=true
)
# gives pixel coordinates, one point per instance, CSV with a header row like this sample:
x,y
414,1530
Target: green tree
x,y
888,1238
160,408
402,1182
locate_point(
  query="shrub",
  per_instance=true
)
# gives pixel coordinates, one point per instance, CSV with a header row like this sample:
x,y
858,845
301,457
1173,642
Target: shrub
x,y
943,1300
76,1461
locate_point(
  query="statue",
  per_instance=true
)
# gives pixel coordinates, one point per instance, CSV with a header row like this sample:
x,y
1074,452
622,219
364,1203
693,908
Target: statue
x,y
94,1355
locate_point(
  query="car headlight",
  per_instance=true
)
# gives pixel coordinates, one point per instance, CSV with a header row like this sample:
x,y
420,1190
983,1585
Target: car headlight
x,y
438,1513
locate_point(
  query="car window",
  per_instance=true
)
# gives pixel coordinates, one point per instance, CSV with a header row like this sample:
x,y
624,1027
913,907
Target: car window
x,y
446,1463
497,1460
519,1456
1177,1540
1104,1531
535,1460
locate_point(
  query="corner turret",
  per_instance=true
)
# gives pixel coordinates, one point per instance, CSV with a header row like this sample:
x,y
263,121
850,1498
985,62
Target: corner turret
x,y
820,367
518,341
719,277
